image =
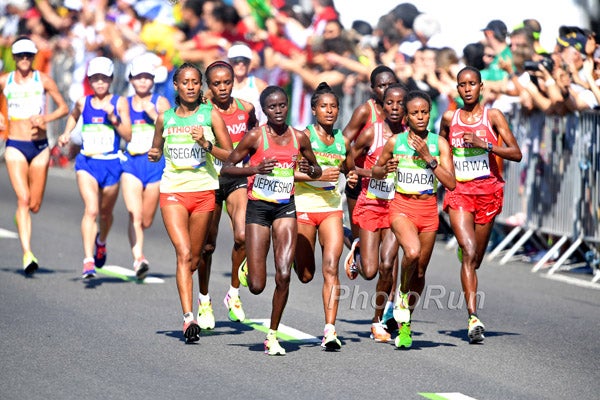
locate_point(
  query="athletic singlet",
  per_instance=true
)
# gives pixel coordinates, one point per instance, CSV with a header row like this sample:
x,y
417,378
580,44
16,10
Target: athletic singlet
x,y
237,126
322,196
476,169
25,99
376,119
377,189
278,186
142,128
99,138
251,94
412,175
188,167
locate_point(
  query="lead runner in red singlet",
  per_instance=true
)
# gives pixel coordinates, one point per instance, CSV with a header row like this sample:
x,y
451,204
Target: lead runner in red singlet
x,y
473,132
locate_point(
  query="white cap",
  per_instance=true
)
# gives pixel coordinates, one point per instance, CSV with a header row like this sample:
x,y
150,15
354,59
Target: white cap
x,y
141,65
24,46
239,50
100,65
75,5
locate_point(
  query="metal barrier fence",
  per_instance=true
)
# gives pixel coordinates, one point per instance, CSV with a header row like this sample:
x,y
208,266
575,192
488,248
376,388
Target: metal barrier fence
x,y
551,198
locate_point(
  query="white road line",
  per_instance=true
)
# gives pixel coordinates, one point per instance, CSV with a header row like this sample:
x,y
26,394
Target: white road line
x,y
125,273
6,234
284,330
572,281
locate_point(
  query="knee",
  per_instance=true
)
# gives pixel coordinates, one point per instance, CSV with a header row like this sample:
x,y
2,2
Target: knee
x,y
35,208
255,288
209,249
330,269
239,238
146,224
282,278
411,255
385,270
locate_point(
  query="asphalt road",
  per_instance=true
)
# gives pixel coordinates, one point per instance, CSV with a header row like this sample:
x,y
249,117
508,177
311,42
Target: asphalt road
x,y
114,338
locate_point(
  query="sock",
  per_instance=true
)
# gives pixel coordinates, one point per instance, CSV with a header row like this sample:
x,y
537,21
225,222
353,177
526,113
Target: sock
x,y
329,328
187,317
234,292
272,333
88,259
203,298
388,305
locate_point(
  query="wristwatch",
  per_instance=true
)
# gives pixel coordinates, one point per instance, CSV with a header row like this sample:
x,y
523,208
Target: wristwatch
x,y
209,147
490,146
432,164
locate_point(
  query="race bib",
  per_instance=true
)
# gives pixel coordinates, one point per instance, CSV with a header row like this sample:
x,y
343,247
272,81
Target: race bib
x,y
97,139
141,138
323,185
184,152
276,187
471,163
382,189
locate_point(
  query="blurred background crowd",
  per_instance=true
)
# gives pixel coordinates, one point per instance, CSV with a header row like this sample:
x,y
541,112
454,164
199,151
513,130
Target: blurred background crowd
x,y
297,44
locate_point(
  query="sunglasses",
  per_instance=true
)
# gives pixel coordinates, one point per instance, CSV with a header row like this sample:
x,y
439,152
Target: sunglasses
x,y
237,60
24,55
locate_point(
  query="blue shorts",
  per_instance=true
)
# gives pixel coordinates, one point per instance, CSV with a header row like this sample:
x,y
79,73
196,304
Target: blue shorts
x,y
105,172
29,148
143,169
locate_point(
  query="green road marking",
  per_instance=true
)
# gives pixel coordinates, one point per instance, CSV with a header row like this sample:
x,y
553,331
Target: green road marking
x,y
284,332
125,274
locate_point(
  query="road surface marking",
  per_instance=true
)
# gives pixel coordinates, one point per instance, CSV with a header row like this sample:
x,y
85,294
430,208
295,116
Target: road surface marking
x,y
8,234
125,274
446,396
284,332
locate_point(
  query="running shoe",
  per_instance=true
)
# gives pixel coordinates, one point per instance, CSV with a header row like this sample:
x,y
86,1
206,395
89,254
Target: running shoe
x,y
459,254
206,318
89,270
388,320
234,305
404,338
99,253
379,334
191,331
243,273
476,329
30,263
401,310
141,268
272,346
350,263
330,341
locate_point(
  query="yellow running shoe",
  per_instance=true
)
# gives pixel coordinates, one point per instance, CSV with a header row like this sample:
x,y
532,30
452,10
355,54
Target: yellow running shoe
x,y
272,346
476,329
30,263
206,317
234,305
401,309
243,273
404,338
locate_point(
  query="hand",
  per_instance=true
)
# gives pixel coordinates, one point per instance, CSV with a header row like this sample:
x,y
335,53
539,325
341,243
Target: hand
x,y
474,140
154,154
64,139
419,144
198,135
352,179
391,165
330,174
266,166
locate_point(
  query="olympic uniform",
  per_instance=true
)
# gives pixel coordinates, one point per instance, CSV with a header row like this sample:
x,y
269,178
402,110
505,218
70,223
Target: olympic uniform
x,y
317,200
189,177
271,196
414,179
237,126
136,160
25,100
479,185
372,207
354,192
100,154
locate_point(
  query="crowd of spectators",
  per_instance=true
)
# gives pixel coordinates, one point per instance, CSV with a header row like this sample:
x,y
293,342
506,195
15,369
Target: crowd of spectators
x,y
297,49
